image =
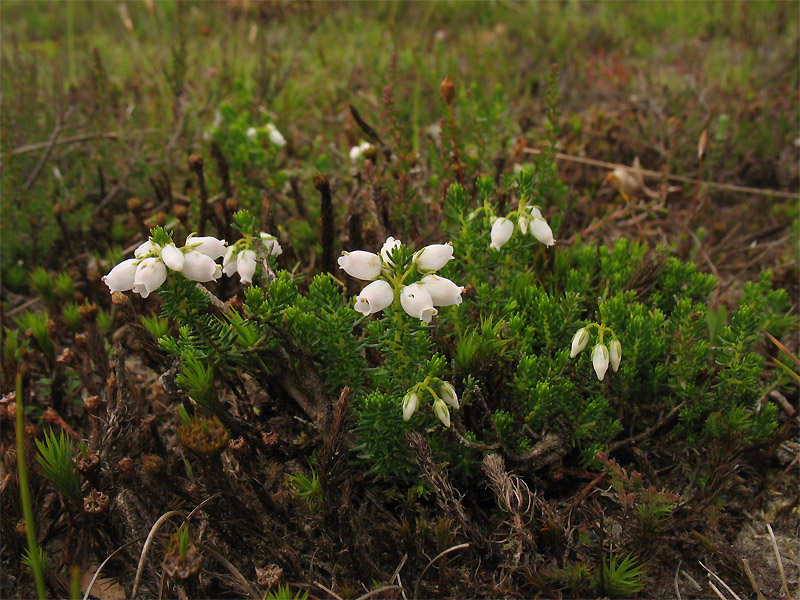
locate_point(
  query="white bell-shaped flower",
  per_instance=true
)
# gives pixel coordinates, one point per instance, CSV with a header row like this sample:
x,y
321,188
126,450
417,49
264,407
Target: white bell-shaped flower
x,y
150,274
433,257
374,298
252,132
146,248
615,354
361,264
172,257
535,212
246,266
448,393
210,246
229,262
200,267
443,291
579,341
501,233
271,244
389,245
441,412
121,277
542,232
356,152
417,302
275,136
600,360
410,403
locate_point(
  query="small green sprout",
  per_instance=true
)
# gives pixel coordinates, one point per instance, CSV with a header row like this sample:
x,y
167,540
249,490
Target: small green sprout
x,y
55,458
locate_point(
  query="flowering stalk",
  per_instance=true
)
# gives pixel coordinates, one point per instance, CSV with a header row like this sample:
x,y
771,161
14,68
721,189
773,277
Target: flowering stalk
x,y
602,355
444,397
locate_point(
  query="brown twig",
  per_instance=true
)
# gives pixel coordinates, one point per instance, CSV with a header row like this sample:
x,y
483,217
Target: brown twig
x,y
51,143
110,135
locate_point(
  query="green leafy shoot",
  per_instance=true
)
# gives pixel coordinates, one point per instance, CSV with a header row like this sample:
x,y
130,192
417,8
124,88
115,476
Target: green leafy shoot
x,y
621,578
284,592
55,458
309,489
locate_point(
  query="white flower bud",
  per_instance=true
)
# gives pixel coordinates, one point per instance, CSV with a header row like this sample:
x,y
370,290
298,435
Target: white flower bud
x,y
615,354
535,212
600,360
523,224
417,302
210,246
229,262
200,267
409,405
271,244
542,232
443,291
251,133
579,341
501,233
374,298
440,409
146,248
389,245
121,277
275,136
433,257
150,274
172,257
246,265
448,393
361,264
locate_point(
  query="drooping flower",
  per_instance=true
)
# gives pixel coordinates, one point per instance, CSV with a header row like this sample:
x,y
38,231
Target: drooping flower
x,y
150,274
443,291
374,297
172,257
210,246
579,341
146,248
448,393
615,354
356,152
600,360
275,136
246,266
271,244
440,409
121,277
417,302
542,232
361,264
501,233
388,246
200,267
410,403
433,257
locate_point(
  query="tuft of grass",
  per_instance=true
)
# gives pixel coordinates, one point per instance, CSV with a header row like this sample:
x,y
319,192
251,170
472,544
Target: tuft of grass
x,y
56,460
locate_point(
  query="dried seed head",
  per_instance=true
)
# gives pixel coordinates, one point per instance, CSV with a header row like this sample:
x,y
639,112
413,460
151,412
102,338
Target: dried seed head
x,y
182,567
127,466
269,575
231,203
448,90
95,503
20,529
153,465
66,357
196,160
270,439
89,462
204,437
135,205
81,339
239,446
93,404
181,211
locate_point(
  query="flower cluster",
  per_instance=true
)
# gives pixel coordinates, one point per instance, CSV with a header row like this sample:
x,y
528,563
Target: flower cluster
x,y
387,274
529,218
602,355
275,136
241,257
446,397
147,271
356,152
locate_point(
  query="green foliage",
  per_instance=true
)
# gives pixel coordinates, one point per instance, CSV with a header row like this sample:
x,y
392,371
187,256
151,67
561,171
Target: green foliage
x,y
284,592
55,458
309,489
36,325
620,578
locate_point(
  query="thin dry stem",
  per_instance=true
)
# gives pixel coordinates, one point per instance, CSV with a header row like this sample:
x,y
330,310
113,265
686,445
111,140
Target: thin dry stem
x,y
777,551
749,573
433,560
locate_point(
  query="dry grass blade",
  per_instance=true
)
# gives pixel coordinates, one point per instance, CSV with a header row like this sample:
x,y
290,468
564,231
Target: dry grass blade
x,y
372,593
103,564
725,585
233,570
433,560
752,579
328,591
675,583
148,542
777,551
